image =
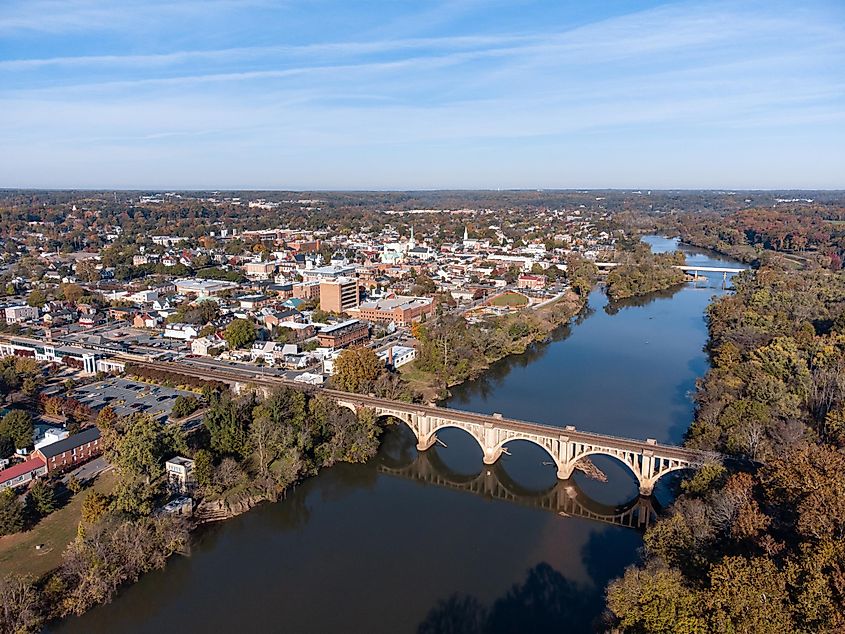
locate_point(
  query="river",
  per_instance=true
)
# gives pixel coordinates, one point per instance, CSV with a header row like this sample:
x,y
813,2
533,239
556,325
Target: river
x,y
374,548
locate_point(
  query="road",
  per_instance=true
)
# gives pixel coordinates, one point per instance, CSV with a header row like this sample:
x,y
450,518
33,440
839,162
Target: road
x,y
89,470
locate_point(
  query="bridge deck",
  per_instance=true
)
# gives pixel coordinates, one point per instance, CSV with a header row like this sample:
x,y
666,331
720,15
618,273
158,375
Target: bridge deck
x,y
590,438
683,267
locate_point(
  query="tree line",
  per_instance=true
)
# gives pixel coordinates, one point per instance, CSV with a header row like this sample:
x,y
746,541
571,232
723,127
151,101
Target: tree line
x,y
759,548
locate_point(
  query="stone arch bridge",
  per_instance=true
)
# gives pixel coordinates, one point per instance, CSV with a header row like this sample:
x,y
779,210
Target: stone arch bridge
x,y
647,460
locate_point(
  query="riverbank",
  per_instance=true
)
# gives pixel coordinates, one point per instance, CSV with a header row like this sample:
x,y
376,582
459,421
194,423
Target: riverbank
x,y
541,321
775,530
358,531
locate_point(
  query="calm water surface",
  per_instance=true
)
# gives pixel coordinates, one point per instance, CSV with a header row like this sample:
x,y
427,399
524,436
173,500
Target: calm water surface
x,y
377,548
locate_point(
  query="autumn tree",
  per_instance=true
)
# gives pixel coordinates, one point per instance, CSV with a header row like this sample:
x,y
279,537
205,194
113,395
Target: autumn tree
x,y
356,370
95,505
21,611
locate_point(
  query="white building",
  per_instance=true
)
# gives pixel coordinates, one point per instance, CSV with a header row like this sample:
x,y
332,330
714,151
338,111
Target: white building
x,y
180,473
203,288
186,332
18,314
51,435
397,356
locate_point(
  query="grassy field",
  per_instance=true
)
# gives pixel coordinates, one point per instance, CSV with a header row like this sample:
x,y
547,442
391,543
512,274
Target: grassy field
x,y
418,380
509,299
17,552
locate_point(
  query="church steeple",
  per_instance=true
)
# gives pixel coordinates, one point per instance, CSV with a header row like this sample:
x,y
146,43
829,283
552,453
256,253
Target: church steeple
x,y
412,243
466,233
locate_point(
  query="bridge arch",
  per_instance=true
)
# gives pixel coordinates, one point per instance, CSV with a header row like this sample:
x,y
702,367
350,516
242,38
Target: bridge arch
x,y
630,461
647,484
467,429
500,447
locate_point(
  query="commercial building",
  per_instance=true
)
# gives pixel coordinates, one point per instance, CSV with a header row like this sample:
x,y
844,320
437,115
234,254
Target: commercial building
x,y
343,334
400,310
18,314
328,272
71,451
186,332
339,295
260,270
396,356
70,356
533,282
306,290
203,288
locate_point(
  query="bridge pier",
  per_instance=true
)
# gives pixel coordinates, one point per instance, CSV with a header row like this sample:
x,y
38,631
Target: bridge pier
x,y
565,472
491,455
425,443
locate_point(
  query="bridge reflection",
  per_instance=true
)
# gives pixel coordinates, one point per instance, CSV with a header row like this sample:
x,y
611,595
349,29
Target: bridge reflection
x,y
563,498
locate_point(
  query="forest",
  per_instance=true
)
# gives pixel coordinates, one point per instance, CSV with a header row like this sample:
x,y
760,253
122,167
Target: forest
x,y
756,542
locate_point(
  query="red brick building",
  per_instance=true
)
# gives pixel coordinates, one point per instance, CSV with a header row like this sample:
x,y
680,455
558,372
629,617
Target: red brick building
x,y
71,451
343,334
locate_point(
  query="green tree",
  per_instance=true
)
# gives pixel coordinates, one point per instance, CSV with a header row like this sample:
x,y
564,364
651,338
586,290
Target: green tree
x,y
36,298
41,498
11,513
17,425
227,421
204,467
184,406
74,485
137,446
356,370
239,333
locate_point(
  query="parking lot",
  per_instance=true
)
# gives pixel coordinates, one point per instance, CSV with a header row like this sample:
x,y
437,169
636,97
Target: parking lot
x,y
128,397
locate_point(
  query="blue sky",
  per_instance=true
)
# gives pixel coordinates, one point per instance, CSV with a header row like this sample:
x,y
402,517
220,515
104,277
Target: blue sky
x,y
422,94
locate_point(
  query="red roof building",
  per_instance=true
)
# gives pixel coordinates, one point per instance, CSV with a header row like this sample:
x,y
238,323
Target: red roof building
x,y
22,473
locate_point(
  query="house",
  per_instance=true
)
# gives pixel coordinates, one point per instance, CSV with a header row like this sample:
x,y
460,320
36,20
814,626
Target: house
x,y
180,473
121,313
87,320
254,302
22,473
145,320
203,346
71,451
277,317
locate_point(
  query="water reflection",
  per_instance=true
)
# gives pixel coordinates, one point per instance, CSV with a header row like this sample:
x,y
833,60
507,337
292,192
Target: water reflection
x,y
564,497
545,602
